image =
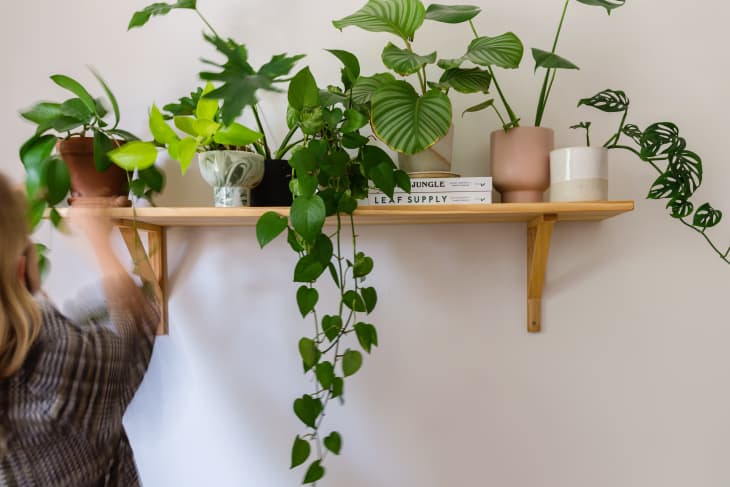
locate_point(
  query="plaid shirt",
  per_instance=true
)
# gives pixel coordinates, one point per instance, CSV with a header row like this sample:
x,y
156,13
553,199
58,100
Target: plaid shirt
x,y
61,414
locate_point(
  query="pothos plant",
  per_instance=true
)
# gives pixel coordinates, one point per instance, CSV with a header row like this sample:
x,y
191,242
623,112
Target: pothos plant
x,y
332,170
238,81
408,120
661,146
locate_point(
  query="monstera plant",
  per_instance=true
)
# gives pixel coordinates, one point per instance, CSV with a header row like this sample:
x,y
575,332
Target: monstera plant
x,y
332,171
409,119
662,147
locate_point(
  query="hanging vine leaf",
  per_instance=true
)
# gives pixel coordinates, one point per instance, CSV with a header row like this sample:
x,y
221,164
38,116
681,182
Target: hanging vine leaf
x,y
314,473
658,138
399,17
300,451
333,442
607,101
686,166
706,216
681,208
633,132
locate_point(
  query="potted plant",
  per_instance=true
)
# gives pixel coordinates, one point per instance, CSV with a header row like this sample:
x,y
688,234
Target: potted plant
x,y
239,82
332,171
680,169
411,122
78,130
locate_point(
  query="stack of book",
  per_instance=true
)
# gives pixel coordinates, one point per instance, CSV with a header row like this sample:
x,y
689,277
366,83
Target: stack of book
x,y
437,191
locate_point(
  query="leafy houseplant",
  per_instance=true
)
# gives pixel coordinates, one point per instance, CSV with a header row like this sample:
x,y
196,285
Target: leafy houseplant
x,y
238,83
77,126
332,171
407,120
661,146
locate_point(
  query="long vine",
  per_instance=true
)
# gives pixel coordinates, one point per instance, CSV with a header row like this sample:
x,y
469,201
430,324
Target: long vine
x,y
680,169
332,170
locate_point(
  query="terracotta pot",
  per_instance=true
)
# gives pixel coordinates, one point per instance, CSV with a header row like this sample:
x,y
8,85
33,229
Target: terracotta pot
x,y
86,181
521,163
273,190
435,158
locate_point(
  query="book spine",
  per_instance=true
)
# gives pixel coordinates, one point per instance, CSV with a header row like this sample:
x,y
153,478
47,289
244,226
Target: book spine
x,y
450,198
439,185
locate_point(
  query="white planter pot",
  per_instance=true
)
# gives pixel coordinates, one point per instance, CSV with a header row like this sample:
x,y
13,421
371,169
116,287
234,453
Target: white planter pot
x,y
436,158
232,174
579,174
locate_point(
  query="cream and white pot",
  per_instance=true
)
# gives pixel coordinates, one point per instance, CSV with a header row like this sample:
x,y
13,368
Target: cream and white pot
x,y
579,174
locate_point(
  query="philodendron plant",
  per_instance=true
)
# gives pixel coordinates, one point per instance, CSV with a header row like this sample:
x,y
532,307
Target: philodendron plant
x,y
332,170
661,146
409,119
238,80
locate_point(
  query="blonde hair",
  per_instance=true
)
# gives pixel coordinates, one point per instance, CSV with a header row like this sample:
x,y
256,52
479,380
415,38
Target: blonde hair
x,y
20,317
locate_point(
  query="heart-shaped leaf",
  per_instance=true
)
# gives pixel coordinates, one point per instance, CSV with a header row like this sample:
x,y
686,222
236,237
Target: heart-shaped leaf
x,y
333,442
306,299
307,216
331,326
309,352
407,122
505,51
307,409
303,91
367,335
351,362
351,66
706,216
325,373
314,473
681,208
300,451
363,265
162,132
370,296
308,269
270,226
399,17
354,301
134,155
403,61
236,135
451,14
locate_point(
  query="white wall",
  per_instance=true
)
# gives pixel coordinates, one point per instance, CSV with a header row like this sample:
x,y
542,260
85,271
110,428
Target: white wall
x,y
627,386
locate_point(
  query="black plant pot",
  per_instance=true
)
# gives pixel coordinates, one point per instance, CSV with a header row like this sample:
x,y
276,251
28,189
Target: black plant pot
x,y
274,188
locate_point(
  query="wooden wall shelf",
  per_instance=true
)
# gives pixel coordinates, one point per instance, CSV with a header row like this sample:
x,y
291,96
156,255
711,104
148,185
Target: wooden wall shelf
x,y
539,217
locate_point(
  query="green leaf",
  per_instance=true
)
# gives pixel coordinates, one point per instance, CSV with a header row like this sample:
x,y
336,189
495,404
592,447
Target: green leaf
x,y
314,473
307,216
293,240
451,14
186,124
472,80
706,216
450,63
402,180
331,326
35,213
55,217
370,296
141,17
354,301
333,442
308,269
658,138
269,226
237,135
351,66
123,134
307,409
152,178
134,155
403,61
354,140
668,185
109,94
42,113
479,107
185,151
309,352
607,4
407,122
399,17
338,387
306,300
162,132
347,204
505,51
351,362
325,373
549,60
75,87
610,101
367,335
363,265
205,128
66,124
322,249
303,91
354,121
300,451
332,117
206,108
383,178
75,108
37,149
311,120
102,146
366,86
681,208
58,181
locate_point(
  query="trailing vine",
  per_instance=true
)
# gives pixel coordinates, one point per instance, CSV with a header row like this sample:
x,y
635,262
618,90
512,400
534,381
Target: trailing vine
x,y
680,169
332,170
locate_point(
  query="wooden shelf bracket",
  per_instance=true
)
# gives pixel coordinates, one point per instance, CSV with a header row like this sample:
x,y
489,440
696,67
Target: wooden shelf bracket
x,y
150,263
539,234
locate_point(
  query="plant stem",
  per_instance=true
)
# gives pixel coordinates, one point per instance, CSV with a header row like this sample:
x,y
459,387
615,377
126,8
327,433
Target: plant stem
x,y
544,92
473,29
421,76
261,129
283,148
504,124
709,241
617,136
205,21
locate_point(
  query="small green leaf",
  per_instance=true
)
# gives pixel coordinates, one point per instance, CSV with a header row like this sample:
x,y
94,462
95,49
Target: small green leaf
x,y
706,217
681,208
333,442
338,387
314,473
309,352
548,60
55,217
152,178
367,335
37,149
451,14
331,326
109,94
237,135
269,226
402,180
205,128
308,409
206,108
351,362
303,91
141,17
102,146
308,269
35,213
186,150
354,301
403,61
76,109
347,204
370,296
162,132
363,265
58,181
186,124
366,86
306,300
351,66
322,249
607,4
300,451
354,120
75,87
474,80
325,373
479,107
42,113
354,140
610,101
134,155
307,216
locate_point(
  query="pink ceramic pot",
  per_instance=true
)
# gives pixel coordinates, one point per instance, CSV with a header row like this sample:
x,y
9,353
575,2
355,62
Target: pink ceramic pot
x,y
521,163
